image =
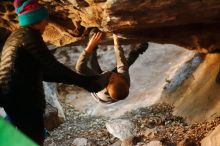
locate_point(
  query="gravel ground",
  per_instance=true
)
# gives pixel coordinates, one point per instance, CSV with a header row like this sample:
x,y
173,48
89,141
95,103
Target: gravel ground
x,y
80,125
165,126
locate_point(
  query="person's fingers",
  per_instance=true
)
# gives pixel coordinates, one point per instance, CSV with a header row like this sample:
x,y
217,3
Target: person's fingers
x,y
115,37
93,37
96,34
99,33
98,37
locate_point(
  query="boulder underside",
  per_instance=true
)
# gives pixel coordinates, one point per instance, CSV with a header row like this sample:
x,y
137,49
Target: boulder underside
x,y
192,24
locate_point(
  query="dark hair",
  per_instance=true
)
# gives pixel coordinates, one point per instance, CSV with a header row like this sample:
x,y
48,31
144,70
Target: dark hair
x,y
119,89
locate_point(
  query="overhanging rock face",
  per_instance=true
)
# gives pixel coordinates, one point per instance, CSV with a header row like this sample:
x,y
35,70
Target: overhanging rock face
x,y
192,24
196,97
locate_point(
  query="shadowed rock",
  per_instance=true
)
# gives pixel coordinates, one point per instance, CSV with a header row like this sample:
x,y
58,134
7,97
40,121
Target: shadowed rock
x,y
191,24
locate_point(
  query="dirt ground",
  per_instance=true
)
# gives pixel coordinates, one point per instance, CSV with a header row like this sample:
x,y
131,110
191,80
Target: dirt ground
x,y
151,123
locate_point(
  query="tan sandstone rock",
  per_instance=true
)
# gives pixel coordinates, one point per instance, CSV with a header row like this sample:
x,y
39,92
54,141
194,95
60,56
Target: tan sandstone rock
x,y
213,139
192,24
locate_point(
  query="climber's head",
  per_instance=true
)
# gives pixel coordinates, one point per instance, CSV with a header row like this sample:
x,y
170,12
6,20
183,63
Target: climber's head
x,y
31,13
118,87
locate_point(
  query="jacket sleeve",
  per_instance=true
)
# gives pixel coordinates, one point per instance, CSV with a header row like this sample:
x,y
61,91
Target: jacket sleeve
x,y
82,64
54,71
121,62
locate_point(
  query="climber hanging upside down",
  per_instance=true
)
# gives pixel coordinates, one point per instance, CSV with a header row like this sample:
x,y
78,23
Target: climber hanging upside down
x,y
119,83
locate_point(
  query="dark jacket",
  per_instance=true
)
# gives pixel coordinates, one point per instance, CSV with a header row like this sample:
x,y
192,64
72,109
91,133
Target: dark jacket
x,y
25,63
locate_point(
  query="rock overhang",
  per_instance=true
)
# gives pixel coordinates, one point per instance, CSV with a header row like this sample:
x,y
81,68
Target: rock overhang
x,y
190,24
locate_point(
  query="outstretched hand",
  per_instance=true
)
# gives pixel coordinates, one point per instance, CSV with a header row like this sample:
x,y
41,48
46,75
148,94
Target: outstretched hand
x,y
93,42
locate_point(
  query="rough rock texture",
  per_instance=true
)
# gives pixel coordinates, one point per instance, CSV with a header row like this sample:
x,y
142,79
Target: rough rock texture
x,y
120,128
51,119
54,114
187,142
127,142
82,142
51,97
192,24
154,143
213,139
196,98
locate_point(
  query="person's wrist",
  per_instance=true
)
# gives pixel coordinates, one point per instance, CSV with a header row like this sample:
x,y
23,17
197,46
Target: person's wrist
x,y
116,42
88,50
